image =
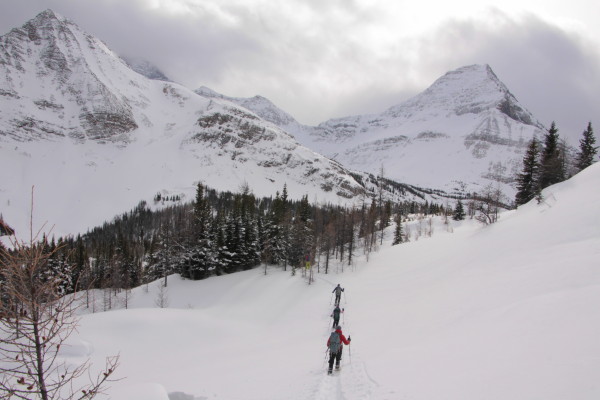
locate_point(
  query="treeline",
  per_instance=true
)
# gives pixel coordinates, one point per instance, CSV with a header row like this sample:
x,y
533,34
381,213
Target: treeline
x,y
549,162
221,233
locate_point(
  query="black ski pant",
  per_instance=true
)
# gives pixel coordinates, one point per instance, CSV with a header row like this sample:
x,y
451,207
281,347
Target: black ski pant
x,y
335,357
336,321
337,299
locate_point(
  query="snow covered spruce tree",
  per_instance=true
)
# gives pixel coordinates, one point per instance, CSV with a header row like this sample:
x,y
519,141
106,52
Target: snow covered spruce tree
x,y
398,230
587,150
245,208
301,235
459,211
35,321
201,249
527,180
162,257
552,165
277,229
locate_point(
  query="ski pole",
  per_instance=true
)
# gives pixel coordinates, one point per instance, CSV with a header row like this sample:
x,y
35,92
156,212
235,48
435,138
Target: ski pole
x,y
325,358
331,298
350,349
344,297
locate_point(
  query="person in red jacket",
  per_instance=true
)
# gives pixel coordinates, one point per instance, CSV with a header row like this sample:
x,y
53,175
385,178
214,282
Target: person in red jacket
x,y
335,344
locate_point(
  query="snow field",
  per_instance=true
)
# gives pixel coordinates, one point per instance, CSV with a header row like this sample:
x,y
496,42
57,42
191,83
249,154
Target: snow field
x,y
495,312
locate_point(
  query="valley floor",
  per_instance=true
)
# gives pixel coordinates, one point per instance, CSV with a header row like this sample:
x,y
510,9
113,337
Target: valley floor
x,y
506,311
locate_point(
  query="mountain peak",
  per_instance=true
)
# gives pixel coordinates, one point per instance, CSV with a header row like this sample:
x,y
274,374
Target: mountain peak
x,y
469,89
42,27
47,18
51,54
262,106
49,14
476,77
467,84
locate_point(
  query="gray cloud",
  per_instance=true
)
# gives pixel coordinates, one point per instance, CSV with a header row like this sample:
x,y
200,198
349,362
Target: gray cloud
x,y
552,72
322,59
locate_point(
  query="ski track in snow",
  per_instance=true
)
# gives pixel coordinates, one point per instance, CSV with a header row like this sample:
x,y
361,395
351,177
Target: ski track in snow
x,y
352,380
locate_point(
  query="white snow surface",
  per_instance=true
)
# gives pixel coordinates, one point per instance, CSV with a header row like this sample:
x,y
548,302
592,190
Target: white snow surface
x,y
505,311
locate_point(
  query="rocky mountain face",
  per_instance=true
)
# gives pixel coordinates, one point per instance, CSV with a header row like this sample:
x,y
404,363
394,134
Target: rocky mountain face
x,y
52,86
94,137
462,133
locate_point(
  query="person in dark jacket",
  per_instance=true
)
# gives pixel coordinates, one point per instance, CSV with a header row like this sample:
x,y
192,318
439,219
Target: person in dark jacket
x,y
335,343
336,316
338,293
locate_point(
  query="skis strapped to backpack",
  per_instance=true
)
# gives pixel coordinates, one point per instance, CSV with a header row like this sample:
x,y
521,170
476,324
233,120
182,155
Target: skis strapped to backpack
x,y
334,342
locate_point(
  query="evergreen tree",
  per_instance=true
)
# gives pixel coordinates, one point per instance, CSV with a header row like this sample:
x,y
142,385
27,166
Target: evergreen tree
x,y
58,269
247,209
277,231
301,234
235,243
165,262
223,257
552,163
79,270
587,150
527,181
201,254
398,231
304,210
251,241
459,212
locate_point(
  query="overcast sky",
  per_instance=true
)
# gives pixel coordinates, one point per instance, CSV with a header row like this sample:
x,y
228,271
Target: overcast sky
x,y
320,59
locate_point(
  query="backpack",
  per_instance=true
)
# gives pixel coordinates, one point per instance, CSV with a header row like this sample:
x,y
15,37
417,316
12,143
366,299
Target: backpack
x,y
336,313
334,342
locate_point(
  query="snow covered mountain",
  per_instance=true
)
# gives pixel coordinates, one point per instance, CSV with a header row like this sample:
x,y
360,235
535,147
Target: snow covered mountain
x,y
95,137
88,131
260,105
465,131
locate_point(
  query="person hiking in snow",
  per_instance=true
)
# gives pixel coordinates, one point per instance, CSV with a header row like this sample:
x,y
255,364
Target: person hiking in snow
x,y
335,343
338,294
336,316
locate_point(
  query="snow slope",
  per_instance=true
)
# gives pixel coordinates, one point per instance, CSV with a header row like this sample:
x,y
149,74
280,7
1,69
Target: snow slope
x,y
507,311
